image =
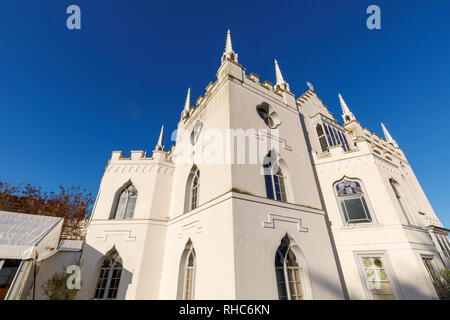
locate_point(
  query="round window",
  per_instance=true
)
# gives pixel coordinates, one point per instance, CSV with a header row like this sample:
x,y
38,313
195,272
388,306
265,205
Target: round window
x,y
269,117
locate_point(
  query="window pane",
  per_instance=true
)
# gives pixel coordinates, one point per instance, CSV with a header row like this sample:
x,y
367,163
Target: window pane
x,y
323,143
377,278
355,210
130,207
269,187
277,187
120,210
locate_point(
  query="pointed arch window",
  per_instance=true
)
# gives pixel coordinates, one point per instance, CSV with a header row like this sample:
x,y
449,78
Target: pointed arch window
x,y
352,202
275,182
189,275
400,200
322,138
126,203
194,190
187,271
288,272
109,277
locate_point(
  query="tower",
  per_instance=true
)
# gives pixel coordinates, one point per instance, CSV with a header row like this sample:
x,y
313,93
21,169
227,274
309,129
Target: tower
x,y
263,196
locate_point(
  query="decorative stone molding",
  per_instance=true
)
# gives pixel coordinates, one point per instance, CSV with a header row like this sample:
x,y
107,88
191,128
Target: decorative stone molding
x,y
191,227
126,234
270,223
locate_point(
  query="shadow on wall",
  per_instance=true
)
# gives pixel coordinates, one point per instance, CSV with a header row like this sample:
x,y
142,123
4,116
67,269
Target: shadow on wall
x,y
103,275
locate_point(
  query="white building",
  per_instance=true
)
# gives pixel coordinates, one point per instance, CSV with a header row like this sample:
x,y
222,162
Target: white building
x,y
341,216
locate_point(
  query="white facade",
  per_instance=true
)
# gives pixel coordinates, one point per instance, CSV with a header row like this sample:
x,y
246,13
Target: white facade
x,y
198,221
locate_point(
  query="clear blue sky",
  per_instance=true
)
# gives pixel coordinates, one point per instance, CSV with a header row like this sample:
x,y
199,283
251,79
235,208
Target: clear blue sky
x,y
68,98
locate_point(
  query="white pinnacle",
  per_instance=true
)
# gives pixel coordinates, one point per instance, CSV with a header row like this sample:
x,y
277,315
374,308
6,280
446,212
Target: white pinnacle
x,y
344,107
347,114
228,45
387,134
279,76
187,104
160,146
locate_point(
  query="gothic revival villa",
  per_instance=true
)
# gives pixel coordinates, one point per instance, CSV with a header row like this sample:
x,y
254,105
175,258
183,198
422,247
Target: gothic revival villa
x,y
263,196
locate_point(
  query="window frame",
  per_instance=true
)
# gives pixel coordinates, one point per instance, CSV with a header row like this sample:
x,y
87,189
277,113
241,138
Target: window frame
x,y
399,196
120,191
301,267
185,278
195,186
340,199
435,269
396,289
109,276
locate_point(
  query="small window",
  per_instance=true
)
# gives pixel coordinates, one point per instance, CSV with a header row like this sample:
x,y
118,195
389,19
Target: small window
x,y
196,131
109,277
275,182
126,203
428,262
352,202
195,189
322,138
288,272
395,188
377,278
8,270
269,116
189,276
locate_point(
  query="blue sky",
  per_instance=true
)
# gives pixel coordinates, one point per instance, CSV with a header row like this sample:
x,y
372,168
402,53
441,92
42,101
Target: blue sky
x,y
68,98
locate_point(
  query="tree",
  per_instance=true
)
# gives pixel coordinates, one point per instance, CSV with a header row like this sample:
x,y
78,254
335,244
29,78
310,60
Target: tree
x,y
56,288
442,283
72,204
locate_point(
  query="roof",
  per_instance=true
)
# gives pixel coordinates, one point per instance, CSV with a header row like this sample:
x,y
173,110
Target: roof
x,y
22,236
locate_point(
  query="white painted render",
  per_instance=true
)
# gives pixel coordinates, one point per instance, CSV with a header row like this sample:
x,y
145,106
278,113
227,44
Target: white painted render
x,y
236,230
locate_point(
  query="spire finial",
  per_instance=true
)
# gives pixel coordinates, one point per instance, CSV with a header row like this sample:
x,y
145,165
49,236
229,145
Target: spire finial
x,y
187,104
387,135
279,77
159,146
347,115
228,44
278,74
229,53
310,86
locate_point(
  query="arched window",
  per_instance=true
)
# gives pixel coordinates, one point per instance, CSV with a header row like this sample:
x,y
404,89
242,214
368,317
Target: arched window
x,y
186,280
126,203
352,202
109,277
288,272
189,273
195,189
400,200
322,138
274,178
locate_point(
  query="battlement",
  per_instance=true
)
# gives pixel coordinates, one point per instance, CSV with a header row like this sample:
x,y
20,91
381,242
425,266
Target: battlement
x,y
138,156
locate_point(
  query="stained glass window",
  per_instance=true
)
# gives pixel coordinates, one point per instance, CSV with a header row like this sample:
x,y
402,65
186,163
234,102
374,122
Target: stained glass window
x,y
377,278
109,278
126,203
352,202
